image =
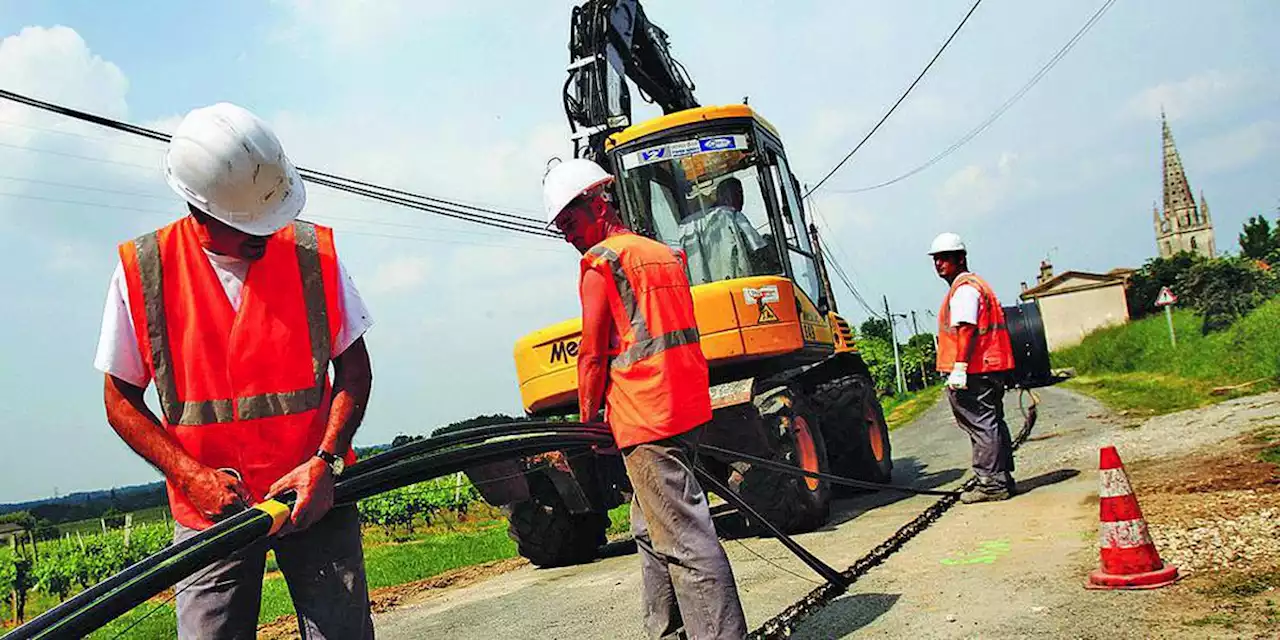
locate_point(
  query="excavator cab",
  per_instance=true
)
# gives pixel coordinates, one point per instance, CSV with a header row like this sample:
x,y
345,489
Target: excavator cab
x,y
714,182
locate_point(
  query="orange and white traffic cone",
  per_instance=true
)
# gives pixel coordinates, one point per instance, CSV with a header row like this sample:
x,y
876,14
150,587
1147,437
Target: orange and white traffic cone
x,y
1129,557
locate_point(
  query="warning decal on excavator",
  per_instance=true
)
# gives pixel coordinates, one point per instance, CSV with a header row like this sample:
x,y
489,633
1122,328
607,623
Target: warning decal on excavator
x,y
765,294
684,148
766,314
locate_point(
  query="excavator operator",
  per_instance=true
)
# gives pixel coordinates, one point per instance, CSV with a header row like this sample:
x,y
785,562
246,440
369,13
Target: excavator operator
x,y
721,243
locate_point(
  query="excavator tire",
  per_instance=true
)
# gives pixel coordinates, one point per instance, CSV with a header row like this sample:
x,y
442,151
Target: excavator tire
x,y
548,535
855,430
792,503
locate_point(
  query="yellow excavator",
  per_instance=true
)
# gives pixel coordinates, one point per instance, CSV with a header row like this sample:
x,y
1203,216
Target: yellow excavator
x,y
787,381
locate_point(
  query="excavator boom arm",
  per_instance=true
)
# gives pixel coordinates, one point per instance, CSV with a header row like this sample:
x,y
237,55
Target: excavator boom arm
x,y
609,42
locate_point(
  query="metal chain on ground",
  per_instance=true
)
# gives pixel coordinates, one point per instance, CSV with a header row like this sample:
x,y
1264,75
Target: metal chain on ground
x,y
781,625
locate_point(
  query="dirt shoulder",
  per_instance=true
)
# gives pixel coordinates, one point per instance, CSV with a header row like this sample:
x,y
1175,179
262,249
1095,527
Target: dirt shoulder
x,y
1215,515
1017,569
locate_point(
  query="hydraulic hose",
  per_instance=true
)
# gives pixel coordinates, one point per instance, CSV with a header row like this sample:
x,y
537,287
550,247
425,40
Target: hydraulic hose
x,y
828,573
834,479
95,607
467,436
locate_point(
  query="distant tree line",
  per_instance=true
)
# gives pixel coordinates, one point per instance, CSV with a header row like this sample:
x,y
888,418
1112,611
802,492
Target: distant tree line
x,y
917,354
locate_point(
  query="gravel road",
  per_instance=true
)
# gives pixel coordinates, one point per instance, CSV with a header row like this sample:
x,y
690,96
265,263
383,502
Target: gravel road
x,y
1010,569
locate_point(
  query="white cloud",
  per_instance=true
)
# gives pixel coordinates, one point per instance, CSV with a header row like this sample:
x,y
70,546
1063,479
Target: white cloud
x,y
57,161
351,24
1194,96
70,257
976,190
1234,149
78,77
401,275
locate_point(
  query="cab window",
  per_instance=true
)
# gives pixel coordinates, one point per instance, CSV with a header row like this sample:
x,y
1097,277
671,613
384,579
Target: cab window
x,y
799,250
708,203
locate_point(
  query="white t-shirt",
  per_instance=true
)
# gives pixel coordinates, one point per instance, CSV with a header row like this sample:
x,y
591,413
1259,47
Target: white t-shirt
x,y
964,305
118,351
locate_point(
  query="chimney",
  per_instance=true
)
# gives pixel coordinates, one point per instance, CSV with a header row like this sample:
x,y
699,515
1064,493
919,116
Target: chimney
x,y
1046,272
1024,285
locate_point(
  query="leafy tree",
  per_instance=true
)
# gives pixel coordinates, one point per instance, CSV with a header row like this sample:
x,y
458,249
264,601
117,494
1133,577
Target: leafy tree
x,y
1145,283
46,530
1258,239
402,440
23,519
1226,289
919,357
114,517
875,328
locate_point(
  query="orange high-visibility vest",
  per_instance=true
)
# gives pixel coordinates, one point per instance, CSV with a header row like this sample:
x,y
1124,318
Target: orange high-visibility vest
x,y
993,351
658,384
246,389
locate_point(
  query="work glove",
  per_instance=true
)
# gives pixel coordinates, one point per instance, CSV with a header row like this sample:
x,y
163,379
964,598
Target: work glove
x,y
959,378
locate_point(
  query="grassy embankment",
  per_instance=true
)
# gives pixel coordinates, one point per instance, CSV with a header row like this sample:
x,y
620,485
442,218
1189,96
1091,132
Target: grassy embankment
x,y
1134,368
900,410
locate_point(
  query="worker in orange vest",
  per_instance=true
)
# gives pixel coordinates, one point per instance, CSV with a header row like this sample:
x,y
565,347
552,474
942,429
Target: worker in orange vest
x,y
975,351
235,311
640,358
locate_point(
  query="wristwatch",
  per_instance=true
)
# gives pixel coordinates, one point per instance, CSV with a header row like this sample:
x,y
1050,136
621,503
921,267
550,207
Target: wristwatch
x,y
335,462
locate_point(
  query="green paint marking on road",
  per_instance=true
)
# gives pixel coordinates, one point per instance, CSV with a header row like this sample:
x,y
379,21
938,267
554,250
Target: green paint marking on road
x,y
986,553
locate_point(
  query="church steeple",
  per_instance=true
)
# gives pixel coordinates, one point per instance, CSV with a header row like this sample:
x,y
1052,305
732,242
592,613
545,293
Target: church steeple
x,y
1184,225
1179,205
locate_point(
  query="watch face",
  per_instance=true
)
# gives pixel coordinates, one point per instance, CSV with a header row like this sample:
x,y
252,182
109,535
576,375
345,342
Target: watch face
x,y
338,465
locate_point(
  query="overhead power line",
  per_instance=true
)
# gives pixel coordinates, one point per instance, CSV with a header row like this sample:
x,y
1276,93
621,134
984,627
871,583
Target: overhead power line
x,y
830,257
998,112
899,100
438,206
322,217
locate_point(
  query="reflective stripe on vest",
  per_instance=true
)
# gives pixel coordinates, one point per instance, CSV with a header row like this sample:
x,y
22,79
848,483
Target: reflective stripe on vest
x,y
644,345
992,350
192,413
658,379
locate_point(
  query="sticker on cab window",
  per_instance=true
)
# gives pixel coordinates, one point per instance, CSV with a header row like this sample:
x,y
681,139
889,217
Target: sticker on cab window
x,y
684,148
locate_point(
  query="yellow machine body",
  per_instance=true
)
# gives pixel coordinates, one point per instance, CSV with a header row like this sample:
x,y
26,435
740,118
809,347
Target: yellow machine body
x,y
740,320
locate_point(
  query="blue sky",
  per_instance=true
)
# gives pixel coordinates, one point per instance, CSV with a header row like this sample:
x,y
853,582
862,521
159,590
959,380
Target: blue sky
x,y
442,98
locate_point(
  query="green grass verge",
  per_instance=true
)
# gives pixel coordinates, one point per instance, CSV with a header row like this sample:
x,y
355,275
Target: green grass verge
x,y
1145,394
619,520
903,409
394,564
1134,367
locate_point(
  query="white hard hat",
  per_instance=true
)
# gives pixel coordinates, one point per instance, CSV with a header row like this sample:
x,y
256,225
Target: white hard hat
x,y
946,242
568,180
227,163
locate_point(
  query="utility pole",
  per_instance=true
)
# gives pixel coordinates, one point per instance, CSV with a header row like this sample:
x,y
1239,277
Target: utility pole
x,y
915,331
893,337
935,334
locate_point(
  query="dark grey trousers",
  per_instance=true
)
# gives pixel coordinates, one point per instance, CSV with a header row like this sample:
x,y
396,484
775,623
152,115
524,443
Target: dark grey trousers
x,y
979,410
689,589
323,566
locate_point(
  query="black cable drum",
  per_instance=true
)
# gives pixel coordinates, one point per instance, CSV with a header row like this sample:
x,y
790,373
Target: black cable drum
x,y
1030,346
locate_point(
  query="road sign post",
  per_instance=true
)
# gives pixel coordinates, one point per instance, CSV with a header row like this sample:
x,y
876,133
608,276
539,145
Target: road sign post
x,y
1166,300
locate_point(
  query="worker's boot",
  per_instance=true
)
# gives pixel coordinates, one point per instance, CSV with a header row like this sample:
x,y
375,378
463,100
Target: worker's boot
x,y
986,493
